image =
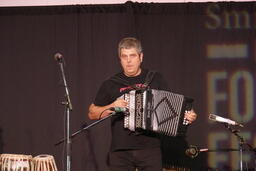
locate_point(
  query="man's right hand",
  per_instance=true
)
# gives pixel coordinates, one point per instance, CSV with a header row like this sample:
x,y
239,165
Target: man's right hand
x,y
97,112
119,103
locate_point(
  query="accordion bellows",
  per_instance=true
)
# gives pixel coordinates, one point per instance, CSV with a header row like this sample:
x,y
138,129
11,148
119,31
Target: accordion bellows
x,y
156,110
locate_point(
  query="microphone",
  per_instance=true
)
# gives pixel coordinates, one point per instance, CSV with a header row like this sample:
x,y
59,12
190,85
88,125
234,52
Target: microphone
x,y
119,109
58,57
224,120
192,151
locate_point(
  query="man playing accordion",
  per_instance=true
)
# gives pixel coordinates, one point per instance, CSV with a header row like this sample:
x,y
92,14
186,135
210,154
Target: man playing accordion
x,y
133,149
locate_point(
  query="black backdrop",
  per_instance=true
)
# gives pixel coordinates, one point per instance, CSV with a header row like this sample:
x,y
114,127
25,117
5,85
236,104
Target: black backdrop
x,y
175,38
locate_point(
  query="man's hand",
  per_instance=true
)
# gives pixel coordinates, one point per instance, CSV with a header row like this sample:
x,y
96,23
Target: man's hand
x,y
119,103
190,116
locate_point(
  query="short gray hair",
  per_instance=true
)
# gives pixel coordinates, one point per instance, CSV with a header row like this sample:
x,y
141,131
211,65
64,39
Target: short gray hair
x,y
129,42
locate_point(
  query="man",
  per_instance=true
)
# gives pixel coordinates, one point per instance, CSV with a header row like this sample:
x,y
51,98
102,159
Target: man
x,y
129,150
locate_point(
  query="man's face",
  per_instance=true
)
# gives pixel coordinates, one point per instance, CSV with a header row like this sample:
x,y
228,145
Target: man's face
x,y
131,60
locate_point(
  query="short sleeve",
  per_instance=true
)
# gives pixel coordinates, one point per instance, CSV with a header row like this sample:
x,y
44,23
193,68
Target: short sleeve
x,y
103,97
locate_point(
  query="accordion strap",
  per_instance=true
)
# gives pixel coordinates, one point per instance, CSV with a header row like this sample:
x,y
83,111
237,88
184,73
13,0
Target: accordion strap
x,y
149,78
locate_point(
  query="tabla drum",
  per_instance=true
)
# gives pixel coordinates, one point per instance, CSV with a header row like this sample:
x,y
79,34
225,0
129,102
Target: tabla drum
x,y
16,162
44,162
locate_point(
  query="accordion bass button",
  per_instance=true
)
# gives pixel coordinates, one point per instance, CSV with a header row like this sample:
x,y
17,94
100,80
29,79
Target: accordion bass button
x,y
185,121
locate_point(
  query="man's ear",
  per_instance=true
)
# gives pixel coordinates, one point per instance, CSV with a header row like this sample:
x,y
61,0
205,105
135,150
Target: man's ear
x,y
141,57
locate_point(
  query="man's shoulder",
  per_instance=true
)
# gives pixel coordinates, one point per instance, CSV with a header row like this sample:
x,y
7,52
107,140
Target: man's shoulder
x,y
147,71
111,79
154,74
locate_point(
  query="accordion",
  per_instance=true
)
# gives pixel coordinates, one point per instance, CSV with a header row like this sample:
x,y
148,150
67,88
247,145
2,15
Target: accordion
x,y
157,110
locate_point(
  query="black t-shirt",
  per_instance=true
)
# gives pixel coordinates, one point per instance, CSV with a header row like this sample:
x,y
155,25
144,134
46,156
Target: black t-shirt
x,y
110,90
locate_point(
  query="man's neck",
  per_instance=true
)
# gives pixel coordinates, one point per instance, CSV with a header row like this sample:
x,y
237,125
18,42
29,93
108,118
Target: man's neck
x,y
134,75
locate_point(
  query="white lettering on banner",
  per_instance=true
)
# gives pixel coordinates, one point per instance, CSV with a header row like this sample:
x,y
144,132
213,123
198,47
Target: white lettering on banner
x,y
236,90
220,18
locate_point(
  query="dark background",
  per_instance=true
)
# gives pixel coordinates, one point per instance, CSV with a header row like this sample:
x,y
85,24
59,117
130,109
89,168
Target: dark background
x,y
174,38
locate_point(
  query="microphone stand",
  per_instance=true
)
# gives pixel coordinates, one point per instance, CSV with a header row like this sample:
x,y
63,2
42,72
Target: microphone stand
x,y
68,108
86,127
241,143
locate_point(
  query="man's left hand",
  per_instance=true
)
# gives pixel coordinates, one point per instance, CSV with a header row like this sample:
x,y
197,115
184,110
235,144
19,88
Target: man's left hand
x,y
190,116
